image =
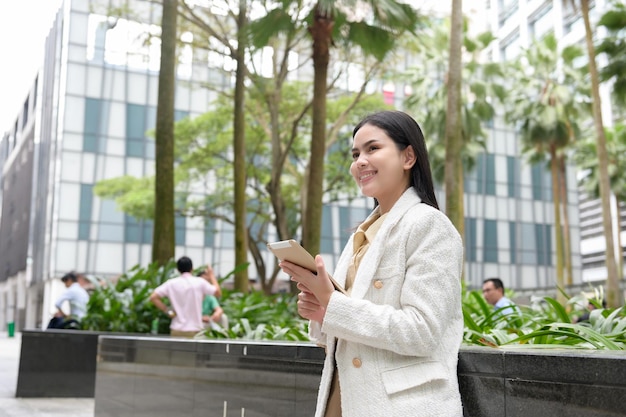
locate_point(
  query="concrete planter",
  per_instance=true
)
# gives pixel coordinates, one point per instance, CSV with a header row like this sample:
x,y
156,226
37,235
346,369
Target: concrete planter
x,y
166,377
57,363
132,375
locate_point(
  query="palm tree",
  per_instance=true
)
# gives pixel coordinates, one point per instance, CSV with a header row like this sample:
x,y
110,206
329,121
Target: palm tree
x,y
390,18
614,296
163,237
586,158
614,48
453,138
545,104
239,147
479,94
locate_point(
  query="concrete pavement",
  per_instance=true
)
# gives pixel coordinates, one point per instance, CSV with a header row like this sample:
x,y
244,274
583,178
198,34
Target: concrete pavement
x,y
31,407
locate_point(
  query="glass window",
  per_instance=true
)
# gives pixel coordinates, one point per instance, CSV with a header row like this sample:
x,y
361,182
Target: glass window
x,y
93,110
344,220
490,174
146,231
490,236
510,48
513,169
137,231
483,179
108,232
542,22
228,236
84,216
135,129
541,183
536,175
544,244
209,232
535,244
470,184
513,242
528,245
470,239
181,230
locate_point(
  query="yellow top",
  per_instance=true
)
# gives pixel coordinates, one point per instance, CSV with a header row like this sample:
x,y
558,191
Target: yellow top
x,y
364,235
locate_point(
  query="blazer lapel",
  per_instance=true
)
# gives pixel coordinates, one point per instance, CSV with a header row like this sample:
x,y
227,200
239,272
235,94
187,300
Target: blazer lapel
x,y
371,260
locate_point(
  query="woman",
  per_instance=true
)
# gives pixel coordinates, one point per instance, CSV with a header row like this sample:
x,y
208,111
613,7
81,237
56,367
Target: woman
x,y
392,344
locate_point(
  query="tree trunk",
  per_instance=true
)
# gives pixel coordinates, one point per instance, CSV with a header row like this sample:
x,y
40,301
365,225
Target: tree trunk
x,y
614,296
620,258
558,234
239,166
454,199
278,162
567,240
460,226
321,31
163,238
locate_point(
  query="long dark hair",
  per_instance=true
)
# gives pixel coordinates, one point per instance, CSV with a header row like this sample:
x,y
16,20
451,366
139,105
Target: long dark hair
x,y
405,131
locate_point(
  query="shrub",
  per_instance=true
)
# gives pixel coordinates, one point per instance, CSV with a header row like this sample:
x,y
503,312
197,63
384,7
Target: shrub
x,y
123,305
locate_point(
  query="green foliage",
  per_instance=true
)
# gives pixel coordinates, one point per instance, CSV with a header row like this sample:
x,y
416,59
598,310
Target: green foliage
x,y
613,46
549,97
586,157
256,316
482,89
133,196
123,305
543,324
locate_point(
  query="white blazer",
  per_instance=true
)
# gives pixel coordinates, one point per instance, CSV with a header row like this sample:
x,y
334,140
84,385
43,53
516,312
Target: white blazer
x,y
396,338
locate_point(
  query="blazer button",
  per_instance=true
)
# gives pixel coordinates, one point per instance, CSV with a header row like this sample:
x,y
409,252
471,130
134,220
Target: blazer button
x,y
378,284
357,362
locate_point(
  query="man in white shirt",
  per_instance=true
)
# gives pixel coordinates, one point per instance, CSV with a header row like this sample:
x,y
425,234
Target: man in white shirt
x,y
77,297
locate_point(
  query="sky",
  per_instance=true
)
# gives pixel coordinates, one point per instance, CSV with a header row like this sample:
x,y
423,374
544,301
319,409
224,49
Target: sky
x,y
24,25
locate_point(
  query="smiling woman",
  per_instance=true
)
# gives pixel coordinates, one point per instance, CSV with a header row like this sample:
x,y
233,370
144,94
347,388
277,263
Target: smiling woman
x,y
392,340
24,26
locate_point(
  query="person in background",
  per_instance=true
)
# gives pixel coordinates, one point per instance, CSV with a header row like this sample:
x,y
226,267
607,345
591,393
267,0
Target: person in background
x,y
590,307
77,297
212,313
392,342
493,291
185,294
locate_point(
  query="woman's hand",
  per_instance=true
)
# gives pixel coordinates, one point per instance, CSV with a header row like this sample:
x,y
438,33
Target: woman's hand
x,y
308,306
316,289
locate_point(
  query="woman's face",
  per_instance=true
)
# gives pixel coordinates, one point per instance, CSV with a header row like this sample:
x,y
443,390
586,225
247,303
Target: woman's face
x,y
380,169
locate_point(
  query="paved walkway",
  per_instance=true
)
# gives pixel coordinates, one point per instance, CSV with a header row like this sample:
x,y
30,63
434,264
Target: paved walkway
x,y
31,407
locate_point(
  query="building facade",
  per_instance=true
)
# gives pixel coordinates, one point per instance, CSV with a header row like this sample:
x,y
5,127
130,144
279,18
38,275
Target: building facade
x,y
516,23
86,119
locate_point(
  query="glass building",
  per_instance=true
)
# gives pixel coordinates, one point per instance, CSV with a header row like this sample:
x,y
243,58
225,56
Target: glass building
x,y
516,23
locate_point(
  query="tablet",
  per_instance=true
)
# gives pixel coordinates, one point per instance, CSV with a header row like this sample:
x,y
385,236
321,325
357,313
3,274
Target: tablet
x,y
292,251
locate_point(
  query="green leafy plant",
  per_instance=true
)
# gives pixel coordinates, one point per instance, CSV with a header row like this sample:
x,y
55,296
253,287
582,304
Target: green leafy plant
x,y
543,324
123,305
256,316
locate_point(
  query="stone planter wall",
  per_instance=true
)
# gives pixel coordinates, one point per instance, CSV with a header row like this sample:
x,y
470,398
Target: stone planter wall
x,y
57,363
144,375
166,377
